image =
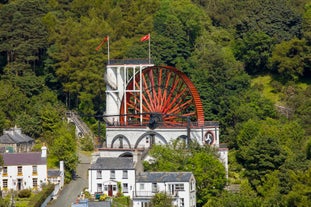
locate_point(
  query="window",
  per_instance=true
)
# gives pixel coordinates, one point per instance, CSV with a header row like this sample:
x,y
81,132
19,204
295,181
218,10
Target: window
x,y
125,188
19,170
145,204
192,185
34,170
182,202
106,187
142,186
99,174
154,187
5,171
99,187
34,182
125,175
112,174
179,187
5,183
114,188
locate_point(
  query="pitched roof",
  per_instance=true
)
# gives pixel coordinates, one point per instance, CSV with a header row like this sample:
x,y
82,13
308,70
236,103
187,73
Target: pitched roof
x,y
160,177
14,136
29,158
53,173
113,163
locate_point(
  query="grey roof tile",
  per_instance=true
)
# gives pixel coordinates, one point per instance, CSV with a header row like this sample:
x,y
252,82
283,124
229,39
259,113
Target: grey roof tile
x,y
113,163
160,177
53,173
30,158
14,137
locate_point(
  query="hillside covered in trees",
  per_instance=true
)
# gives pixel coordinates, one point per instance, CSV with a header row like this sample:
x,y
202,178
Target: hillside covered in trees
x,y
250,61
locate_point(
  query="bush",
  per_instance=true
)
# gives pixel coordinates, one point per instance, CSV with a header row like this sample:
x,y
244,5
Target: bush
x,y
40,198
86,144
26,193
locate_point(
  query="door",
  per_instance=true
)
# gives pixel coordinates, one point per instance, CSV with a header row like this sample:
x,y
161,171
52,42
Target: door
x,y
19,184
109,190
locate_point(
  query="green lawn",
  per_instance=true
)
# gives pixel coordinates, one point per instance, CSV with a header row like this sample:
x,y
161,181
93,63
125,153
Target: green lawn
x,y
267,89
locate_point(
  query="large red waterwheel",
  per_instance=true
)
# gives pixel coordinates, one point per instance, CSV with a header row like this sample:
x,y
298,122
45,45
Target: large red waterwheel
x,y
162,91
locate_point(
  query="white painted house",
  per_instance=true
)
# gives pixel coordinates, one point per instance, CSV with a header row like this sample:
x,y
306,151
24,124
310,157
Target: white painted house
x,y
181,186
24,170
106,172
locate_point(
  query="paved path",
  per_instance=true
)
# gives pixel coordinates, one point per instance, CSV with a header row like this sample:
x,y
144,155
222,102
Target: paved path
x,y
75,187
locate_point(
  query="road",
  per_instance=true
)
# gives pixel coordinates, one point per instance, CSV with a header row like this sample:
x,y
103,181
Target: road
x,y
75,187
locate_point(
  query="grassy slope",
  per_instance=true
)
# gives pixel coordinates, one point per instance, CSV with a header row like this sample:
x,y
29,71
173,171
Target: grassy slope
x,y
267,89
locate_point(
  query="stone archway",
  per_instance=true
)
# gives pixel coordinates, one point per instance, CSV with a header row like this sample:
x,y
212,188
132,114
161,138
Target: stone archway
x,y
121,138
151,134
126,154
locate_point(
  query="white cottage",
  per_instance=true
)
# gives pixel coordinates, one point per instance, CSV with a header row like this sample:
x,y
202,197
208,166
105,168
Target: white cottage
x,y
24,170
106,172
181,186
110,175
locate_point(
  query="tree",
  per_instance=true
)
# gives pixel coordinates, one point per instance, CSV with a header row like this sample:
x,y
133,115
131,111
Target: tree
x,y
254,49
202,161
278,19
161,199
64,147
289,59
23,35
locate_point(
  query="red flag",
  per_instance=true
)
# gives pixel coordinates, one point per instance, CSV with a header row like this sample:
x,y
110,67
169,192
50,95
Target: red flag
x,y
102,42
144,38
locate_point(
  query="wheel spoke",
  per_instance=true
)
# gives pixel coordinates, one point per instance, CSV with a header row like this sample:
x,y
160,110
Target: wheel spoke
x,y
164,90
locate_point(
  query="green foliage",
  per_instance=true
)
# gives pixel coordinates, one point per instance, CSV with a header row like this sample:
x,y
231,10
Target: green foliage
x,y
288,58
254,49
121,201
201,161
48,60
37,200
86,144
277,19
234,200
25,193
64,147
161,199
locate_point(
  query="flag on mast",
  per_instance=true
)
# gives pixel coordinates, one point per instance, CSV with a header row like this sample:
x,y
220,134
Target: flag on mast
x,y
102,42
144,38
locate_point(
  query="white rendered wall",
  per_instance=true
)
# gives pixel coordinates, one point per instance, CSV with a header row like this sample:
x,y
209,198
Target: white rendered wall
x,y
141,137
105,180
26,176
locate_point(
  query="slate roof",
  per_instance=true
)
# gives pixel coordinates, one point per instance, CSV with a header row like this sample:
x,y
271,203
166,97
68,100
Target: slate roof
x,y
113,163
13,137
161,177
30,158
53,173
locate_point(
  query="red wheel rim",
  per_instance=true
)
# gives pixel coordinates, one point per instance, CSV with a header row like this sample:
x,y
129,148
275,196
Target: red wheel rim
x,y
166,91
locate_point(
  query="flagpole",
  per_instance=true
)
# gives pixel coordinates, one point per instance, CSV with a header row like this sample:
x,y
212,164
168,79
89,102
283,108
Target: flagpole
x,y
149,47
108,50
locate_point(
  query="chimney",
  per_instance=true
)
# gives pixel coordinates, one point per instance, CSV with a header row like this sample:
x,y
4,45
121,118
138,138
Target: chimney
x,y
61,166
43,151
138,162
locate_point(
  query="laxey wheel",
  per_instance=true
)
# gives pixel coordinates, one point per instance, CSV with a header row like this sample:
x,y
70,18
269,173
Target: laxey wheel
x,y
168,97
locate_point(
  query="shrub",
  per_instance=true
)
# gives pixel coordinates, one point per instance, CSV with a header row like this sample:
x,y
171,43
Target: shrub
x,y
40,198
26,193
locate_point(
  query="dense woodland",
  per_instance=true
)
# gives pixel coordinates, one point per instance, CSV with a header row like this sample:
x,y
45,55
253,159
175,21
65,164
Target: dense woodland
x,y
249,59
